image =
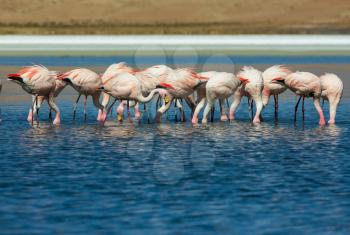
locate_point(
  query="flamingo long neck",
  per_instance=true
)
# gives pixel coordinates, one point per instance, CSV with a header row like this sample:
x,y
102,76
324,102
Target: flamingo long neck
x,y
148,98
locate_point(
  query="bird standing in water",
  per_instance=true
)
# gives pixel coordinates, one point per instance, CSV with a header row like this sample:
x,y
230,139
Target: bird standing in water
x,y
37,80
87,83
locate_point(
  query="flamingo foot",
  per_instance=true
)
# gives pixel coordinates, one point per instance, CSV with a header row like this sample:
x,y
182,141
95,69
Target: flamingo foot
x,y
57,120
99,115
103,117
194,120
322,122
223,118
137,115
256,120
331,121
204,121
30,116
232,117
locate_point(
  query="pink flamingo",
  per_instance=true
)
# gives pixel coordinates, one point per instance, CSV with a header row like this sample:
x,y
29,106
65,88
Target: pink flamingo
x,y
252,85
126,86
332,90
183,83
87,83
272,88
38,81
149,78
304,84
60,85
220,86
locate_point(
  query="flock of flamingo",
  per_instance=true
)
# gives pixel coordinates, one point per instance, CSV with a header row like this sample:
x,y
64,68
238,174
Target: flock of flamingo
x,y
131,87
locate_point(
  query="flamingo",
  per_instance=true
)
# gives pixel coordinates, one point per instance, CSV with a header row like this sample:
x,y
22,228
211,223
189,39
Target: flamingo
x,y
183,82
304,84
60,85
149,78
87,83
220,85
273,88
332,90
126,86
252,85
37,80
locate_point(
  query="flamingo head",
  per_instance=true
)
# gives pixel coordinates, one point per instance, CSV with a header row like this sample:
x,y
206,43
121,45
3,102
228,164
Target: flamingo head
x,y
244,80
15,77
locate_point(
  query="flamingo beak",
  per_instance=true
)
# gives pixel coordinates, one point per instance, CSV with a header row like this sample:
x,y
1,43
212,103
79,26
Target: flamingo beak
x,y
15,77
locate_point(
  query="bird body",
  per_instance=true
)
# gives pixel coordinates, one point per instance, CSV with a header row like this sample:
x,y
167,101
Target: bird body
x,y
39,81
252,86
220,85
332,90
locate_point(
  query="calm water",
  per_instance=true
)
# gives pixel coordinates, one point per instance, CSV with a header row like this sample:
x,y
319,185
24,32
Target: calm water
x,y
173,178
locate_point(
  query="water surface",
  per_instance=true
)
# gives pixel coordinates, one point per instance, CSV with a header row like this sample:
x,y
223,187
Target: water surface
x,y
174,178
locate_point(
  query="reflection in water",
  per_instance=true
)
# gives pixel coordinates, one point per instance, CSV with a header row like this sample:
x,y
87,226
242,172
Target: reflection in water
x,y
214,178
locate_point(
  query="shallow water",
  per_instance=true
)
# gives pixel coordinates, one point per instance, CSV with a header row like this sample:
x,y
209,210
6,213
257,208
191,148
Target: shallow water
x,y
173,178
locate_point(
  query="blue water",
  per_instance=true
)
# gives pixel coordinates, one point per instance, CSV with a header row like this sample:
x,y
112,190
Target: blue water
x,y
174,178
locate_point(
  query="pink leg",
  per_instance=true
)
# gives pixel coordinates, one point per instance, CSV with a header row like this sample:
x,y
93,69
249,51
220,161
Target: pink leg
x,y
223,117
57,120
99,115
120,111
333,104
30,115
319,110
136,111
197,110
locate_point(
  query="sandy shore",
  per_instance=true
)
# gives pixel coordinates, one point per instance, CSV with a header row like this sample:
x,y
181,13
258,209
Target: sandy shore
x,y
175,17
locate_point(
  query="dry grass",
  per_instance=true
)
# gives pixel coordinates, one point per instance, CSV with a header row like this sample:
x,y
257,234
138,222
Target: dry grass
x,y
173,16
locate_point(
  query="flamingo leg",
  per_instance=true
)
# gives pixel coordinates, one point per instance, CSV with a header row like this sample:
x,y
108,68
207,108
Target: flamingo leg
x,y
303,108
37,109
52,104
275,98
128,109
234,105
110,107
223,116
165,107
212,113
85,113
183,111
75,107
33,105
251,107
157,103
296,110
197,110
207,109
192,104
175,106
319,110
146,111
50,114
